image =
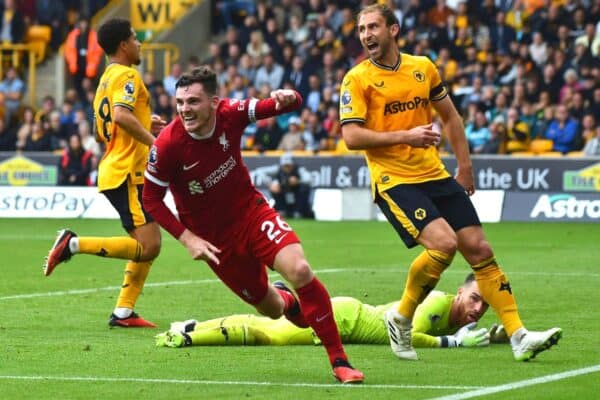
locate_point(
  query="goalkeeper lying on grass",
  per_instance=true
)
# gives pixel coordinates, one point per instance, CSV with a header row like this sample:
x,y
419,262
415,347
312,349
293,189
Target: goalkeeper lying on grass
x,y
441,320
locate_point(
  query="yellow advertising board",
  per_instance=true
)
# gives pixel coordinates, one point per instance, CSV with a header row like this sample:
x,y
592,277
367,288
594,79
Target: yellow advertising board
x,y
158,15
22,171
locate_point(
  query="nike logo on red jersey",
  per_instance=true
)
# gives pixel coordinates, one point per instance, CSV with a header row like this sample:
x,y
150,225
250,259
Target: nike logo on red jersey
x,y
188,167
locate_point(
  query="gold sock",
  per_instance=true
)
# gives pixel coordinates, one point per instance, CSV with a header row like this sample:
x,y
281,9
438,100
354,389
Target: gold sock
x,y
423,275
496,291
133,283
114,247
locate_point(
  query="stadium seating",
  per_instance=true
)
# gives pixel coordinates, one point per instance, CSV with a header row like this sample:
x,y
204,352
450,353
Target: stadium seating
x,y
539,146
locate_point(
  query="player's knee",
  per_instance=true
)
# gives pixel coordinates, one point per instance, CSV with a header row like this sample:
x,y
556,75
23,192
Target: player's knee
x,y
301,274
150,251
447,244
481,250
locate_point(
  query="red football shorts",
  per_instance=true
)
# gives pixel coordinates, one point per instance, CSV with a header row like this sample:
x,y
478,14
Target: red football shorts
x,y
253,245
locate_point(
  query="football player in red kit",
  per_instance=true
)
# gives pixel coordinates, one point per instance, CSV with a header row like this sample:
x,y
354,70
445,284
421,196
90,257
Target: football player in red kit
x,y
224,220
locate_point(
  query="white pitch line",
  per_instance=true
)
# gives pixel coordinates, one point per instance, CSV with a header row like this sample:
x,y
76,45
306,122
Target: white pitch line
x,y
230,383
521,384
382,268
112,288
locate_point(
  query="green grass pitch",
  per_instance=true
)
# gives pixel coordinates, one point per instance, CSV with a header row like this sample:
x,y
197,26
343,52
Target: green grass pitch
x,y
55,342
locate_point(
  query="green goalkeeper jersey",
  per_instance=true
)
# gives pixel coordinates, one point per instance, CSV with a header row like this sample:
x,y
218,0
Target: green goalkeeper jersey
x,y
363,323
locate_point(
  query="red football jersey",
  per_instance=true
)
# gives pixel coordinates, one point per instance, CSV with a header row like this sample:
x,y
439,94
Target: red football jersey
x,y
209,181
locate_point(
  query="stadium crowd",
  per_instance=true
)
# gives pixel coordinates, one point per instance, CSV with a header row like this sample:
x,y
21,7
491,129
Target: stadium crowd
x,y
524,74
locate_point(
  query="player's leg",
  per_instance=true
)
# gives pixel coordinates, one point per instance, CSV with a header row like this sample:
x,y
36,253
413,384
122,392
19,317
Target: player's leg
x,y
493,283
497,292
146,233
124,199
417,221
316,307
275,244
232,330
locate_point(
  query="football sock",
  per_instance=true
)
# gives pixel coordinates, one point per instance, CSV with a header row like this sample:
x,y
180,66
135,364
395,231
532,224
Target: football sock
x,y
135,276
496,291
114,247
122,312
289,301
423,275
316,307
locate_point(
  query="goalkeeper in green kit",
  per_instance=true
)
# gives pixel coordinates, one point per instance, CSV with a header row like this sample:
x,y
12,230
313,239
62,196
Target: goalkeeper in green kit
x,y
442,320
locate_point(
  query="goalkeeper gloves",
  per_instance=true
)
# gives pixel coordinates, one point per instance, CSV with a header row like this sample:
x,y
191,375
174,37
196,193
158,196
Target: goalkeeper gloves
x,y
498,334
467,337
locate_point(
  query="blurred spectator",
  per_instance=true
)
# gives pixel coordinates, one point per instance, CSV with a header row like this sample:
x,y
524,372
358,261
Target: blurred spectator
x,y
270,73
297,33
83,54
13,88
170,80
590,39
267,135
562,130
12,23
231,11
75,164
292,139
88,142
48,105
499,109
478,133
25,130
238,88
315,129
538,49
39,140
447,65
592,147
313,98
571,84
331,125
256,46
53,14
588,127
496,143
8,137
59,133
290,192
298,76
518,135
246,69
501,34
551,82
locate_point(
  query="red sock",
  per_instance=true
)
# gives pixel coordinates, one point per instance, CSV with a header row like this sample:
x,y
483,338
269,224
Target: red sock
x,y
289,302
316,307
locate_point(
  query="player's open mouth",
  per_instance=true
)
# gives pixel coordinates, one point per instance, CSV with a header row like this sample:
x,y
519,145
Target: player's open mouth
x,y
372,46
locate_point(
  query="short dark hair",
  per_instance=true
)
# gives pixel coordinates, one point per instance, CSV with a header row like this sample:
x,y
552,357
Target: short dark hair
x,y
470,278
204,75
112,33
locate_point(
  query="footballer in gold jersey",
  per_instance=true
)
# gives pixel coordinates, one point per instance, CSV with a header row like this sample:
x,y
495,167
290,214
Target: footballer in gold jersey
x,y
386,105
124,123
